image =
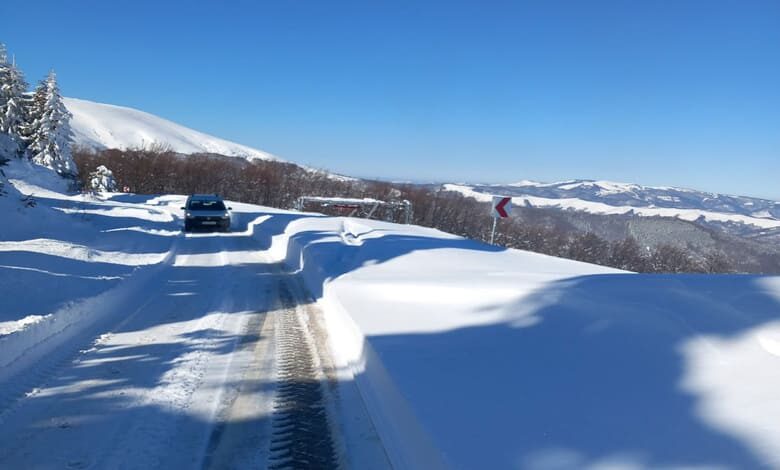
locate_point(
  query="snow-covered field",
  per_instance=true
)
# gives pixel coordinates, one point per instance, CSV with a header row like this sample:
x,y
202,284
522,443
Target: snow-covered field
x,y
103,126
125,344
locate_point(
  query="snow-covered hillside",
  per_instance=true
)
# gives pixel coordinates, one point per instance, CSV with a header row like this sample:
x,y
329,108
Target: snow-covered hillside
x,y
101,126
606,197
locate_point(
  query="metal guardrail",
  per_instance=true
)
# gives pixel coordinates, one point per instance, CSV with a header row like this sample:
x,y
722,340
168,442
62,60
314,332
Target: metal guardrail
x,y
365,207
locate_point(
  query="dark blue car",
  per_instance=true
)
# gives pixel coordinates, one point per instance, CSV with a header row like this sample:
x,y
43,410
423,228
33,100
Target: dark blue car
x,y
206,212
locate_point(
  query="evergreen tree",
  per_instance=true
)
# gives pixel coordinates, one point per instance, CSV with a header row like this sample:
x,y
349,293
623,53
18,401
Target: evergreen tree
x,y
12,101
102,180
49,129
3,66
12,89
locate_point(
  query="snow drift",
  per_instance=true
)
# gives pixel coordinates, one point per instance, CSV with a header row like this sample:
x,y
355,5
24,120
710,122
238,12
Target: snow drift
x,y
471,356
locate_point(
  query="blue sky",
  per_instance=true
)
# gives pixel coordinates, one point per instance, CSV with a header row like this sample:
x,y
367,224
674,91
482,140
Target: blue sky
x,y
679,93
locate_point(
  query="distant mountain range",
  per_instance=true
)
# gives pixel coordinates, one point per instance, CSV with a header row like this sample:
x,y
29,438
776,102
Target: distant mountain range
x,y
741,215
104,126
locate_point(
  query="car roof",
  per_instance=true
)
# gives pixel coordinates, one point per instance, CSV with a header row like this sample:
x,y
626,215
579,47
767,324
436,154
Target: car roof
x,y
206,197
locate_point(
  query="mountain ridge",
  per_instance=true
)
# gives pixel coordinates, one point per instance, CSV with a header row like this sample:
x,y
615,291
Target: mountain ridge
x,y
607,197
101,126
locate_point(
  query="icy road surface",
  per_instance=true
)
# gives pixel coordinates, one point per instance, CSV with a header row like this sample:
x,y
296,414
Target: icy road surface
x,y
175,353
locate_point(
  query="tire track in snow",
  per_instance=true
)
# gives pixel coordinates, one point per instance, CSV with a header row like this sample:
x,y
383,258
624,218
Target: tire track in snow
x,y
240,427
301,429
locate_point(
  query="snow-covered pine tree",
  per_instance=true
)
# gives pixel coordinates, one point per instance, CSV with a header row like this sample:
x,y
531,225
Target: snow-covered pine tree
x,y
12,88
12,101
102,180
49,131
3,63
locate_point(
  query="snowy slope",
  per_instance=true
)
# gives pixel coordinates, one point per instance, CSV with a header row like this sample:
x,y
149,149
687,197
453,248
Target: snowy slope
x,y
606,197
102,126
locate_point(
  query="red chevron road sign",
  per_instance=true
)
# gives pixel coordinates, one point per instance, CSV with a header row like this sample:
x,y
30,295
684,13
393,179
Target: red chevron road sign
x,y
501,206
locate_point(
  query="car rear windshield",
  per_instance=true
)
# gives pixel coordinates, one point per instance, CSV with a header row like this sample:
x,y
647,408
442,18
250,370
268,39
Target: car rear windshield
x,y
207,206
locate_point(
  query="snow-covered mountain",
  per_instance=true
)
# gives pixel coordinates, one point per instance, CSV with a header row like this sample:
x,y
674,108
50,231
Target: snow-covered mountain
x,y
606,197
102,126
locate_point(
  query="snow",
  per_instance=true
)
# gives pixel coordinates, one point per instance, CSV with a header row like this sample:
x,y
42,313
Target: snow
x,y
538,184
476,357
604,208
103,126
604,188
126,344
121,343
608,187
343,200
737,215
102,180
122,360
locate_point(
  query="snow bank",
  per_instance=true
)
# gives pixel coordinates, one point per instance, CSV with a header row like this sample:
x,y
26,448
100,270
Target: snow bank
x,y
68,260
25,341
470,356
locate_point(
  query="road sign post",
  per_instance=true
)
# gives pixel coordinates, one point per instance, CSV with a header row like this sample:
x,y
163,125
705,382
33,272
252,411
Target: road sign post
x,y
499,210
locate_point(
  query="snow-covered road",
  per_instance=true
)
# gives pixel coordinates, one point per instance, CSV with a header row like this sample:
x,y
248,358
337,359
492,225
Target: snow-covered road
x,y
173,365
147,390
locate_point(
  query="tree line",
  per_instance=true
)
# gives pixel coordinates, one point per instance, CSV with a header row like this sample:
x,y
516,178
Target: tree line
x,y
279,184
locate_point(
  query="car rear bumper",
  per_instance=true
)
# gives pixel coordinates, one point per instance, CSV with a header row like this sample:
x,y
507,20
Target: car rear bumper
x,y
206,223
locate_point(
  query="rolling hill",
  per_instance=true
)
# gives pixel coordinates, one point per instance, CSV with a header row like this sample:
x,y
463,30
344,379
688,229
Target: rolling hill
x,y
739,215
104,126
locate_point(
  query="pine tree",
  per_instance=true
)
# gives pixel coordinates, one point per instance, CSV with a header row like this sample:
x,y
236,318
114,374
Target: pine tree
x,y
12,101
102,180
12,89
3,66
49,129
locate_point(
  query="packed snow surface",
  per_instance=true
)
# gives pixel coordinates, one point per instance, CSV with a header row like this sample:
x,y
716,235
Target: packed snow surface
x,y
120,343
104,126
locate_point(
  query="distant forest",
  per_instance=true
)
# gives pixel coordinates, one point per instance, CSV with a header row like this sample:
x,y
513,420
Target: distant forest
x,y
279,184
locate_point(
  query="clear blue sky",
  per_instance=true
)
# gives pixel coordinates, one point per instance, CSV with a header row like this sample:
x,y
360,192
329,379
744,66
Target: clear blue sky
x,y
670,92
